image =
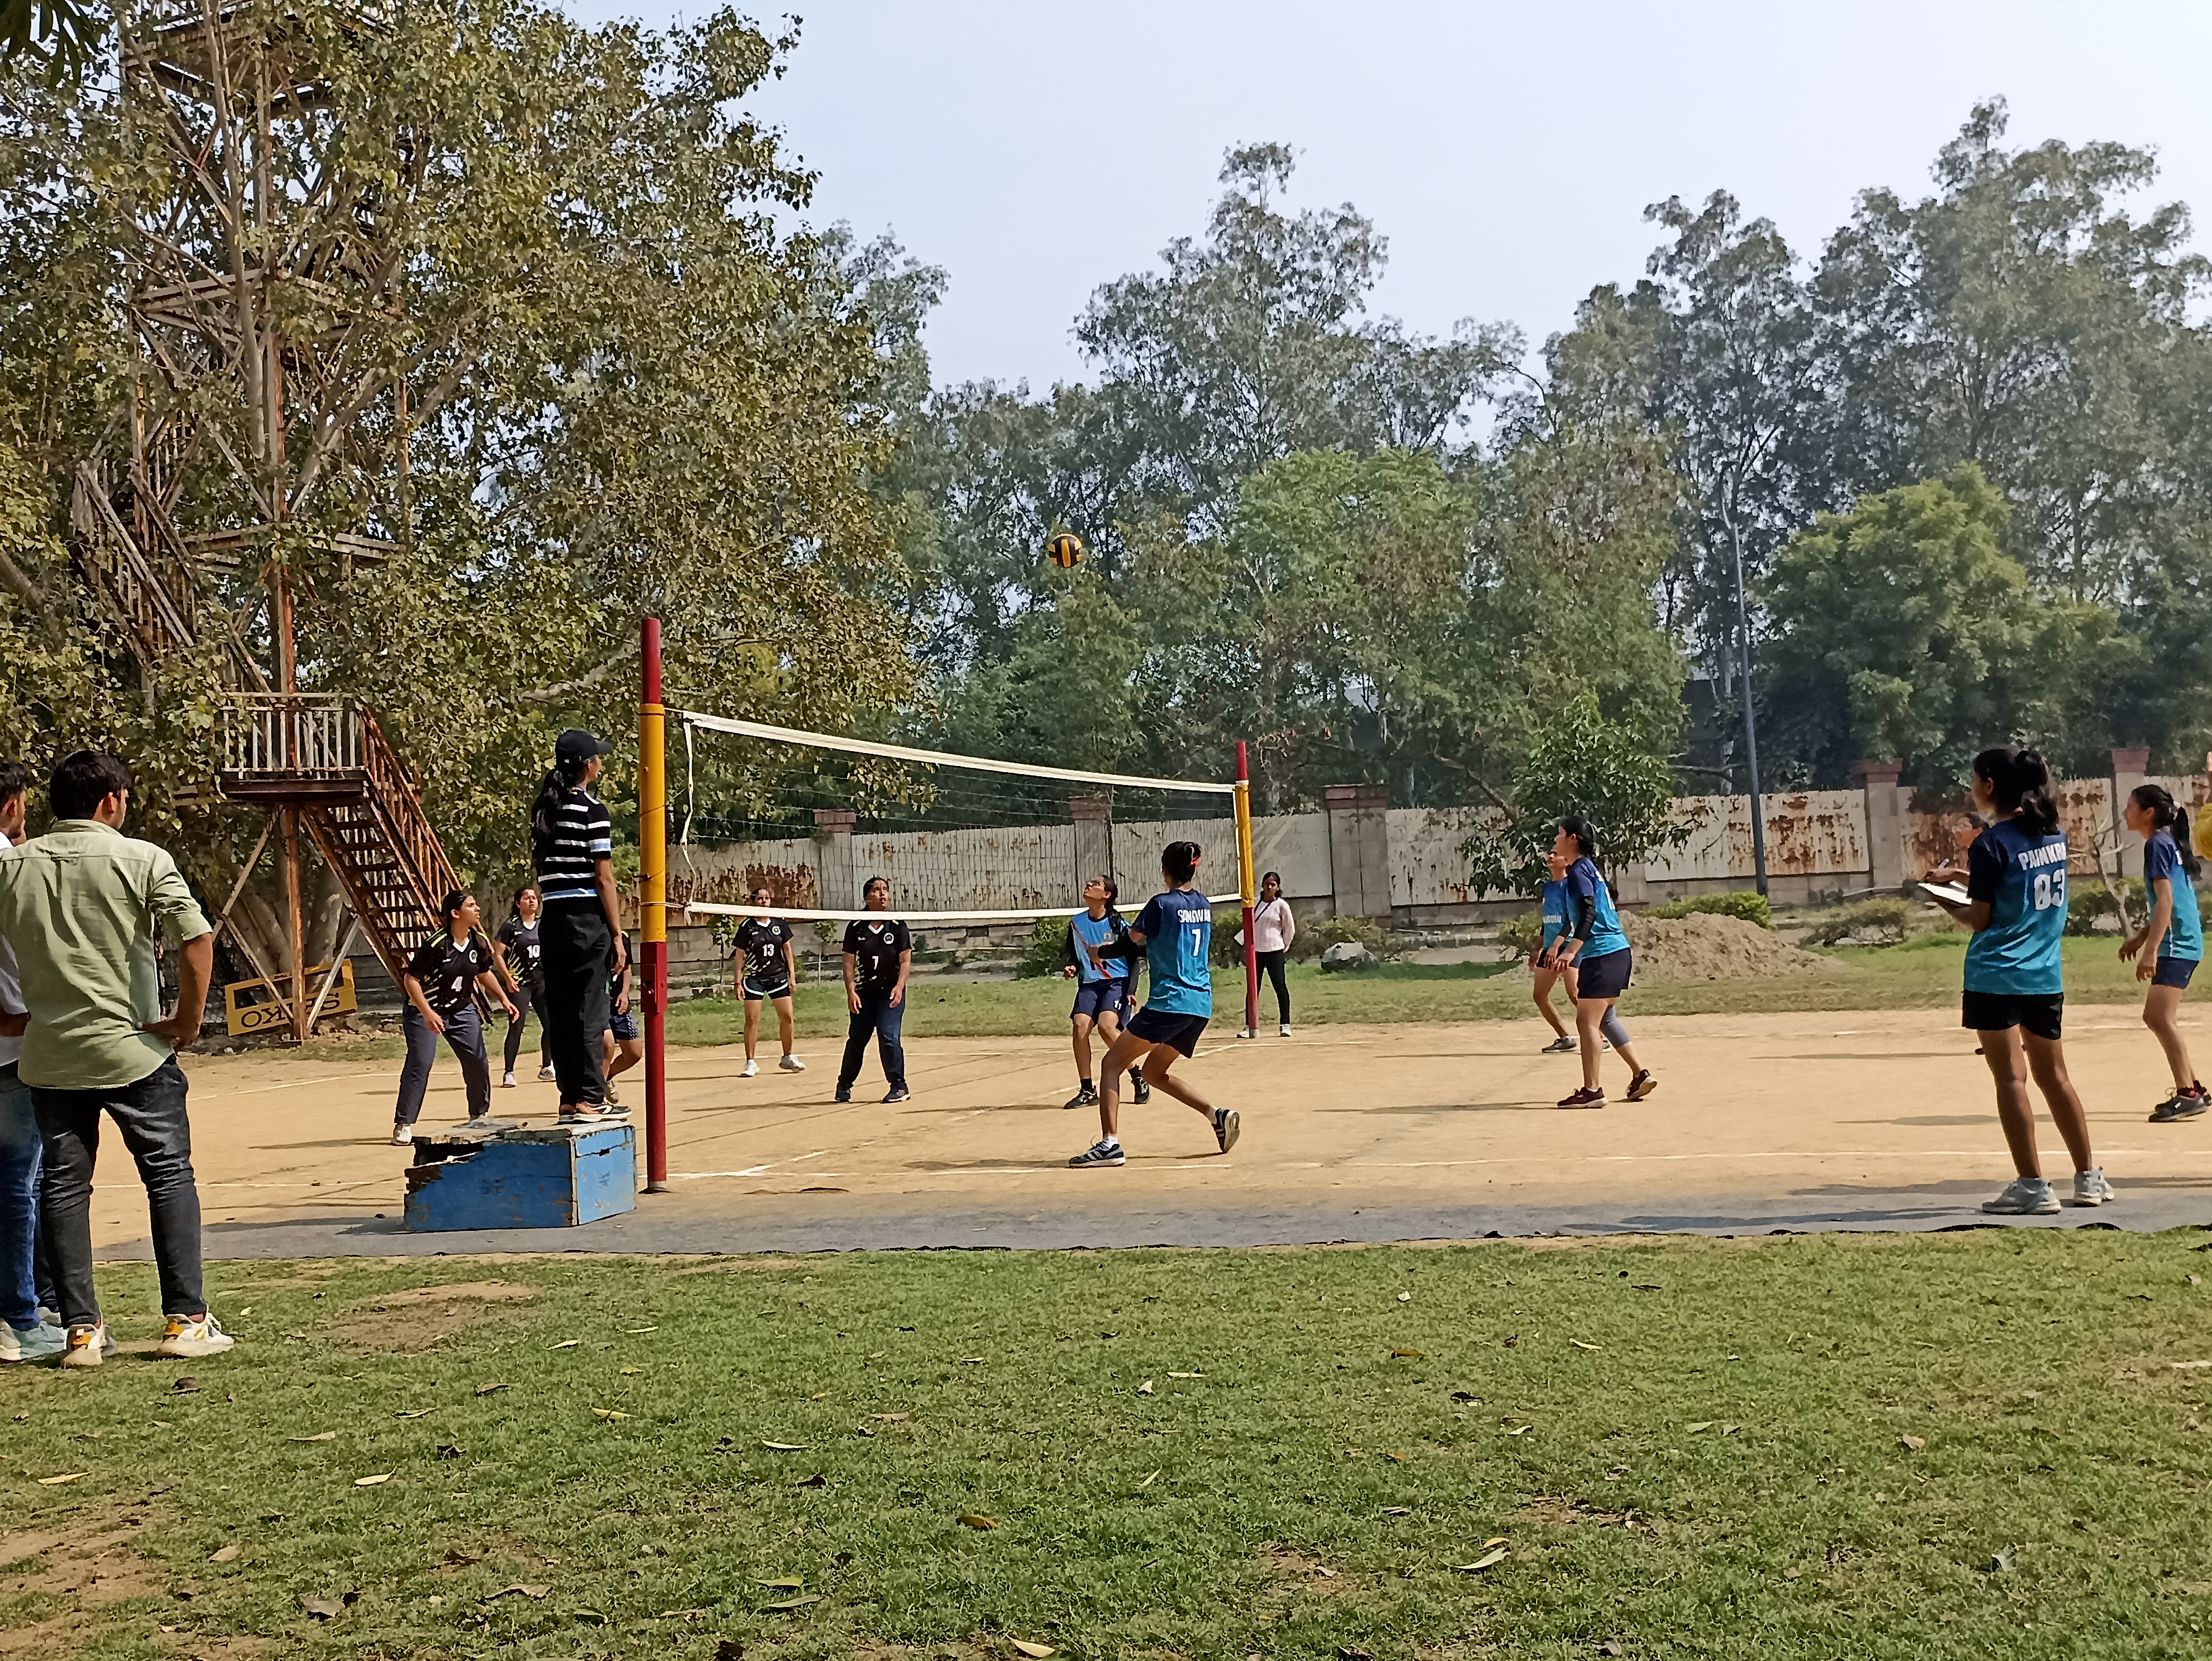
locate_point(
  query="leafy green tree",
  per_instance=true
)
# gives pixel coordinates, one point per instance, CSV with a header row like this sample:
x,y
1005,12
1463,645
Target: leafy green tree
x,y
1579,763
630,391
1904,629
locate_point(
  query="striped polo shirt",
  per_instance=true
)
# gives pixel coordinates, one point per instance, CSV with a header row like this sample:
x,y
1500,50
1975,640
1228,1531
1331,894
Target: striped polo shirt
x,y
583,835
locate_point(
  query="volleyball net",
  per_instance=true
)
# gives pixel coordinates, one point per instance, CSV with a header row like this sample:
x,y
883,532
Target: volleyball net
x,y
962,840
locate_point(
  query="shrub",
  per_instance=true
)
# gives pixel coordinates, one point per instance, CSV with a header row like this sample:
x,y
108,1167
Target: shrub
x,y
1888,920
1045,950
2088,903
1743,903
1312,942
1227,953
1522,935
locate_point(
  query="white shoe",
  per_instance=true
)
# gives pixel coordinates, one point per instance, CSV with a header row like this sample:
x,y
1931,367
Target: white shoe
x,y
402,1134
87,1346
40,1343
2025,1196
1285,1029
791,1064
545,1075
186,1338
750,1069
2090,1187
508,1082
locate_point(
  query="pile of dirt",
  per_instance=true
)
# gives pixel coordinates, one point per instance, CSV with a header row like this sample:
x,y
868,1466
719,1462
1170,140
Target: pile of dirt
x,y
1703,947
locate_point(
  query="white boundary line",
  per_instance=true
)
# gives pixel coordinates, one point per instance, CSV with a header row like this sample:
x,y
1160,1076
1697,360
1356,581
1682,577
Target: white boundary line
x,y
754,729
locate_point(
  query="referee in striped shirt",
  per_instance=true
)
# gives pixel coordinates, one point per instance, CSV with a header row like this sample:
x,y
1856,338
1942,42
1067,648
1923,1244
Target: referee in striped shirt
x,y
572,846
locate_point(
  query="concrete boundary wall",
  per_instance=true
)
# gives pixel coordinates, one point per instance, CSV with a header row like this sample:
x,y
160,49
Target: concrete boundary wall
x,y
1362,857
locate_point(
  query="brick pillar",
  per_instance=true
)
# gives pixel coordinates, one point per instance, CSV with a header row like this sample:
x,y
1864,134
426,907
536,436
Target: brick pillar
x,y
1094,836
1360,849
1885,820
835,879
2131,767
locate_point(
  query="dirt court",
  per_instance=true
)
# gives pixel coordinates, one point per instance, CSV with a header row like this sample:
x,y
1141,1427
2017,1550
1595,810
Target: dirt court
x,y
1350,1133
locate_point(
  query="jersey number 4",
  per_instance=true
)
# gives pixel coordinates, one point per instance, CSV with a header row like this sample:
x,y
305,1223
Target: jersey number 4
x,y
2050,890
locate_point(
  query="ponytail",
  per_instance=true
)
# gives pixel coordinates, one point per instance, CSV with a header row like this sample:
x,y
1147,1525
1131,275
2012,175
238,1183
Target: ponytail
x,y
2165,814
565,776
1584,833
2019,783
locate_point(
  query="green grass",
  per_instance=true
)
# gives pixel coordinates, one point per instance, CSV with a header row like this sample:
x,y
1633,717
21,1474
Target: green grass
x,y
1923,973
1694,1448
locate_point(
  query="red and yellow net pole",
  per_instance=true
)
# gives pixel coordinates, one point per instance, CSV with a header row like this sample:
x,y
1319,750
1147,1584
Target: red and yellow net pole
x,y
653,906
1248,888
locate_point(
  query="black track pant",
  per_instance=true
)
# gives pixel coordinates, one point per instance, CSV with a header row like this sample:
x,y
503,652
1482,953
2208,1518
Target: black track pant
x,y
528,990
579,961
1271,963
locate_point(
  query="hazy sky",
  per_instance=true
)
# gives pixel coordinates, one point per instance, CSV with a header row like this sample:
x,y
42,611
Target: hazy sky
x,y
1506,150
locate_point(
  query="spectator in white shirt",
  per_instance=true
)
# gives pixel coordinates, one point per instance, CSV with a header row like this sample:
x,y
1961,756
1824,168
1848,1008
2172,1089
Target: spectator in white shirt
x,y
1274,928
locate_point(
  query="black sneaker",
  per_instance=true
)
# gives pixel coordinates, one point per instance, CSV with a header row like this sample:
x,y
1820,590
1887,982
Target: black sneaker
x,y
842,1096
1641,1085
2182,1105
1565,1044
1140,1092
899,1094
1087,1096
1589,1095
1225,1127
1099,1153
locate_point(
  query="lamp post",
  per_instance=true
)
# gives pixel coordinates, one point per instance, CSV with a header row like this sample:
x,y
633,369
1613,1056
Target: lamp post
x,y
1750,714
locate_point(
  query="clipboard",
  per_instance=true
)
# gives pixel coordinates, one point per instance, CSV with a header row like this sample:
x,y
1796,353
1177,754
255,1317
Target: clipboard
x,y
1950,893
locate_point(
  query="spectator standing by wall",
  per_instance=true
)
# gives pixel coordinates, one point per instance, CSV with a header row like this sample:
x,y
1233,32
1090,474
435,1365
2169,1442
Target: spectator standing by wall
x,y
25,1335
80,906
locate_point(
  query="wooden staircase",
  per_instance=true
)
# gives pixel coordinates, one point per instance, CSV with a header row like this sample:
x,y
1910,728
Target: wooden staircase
x,y
325,755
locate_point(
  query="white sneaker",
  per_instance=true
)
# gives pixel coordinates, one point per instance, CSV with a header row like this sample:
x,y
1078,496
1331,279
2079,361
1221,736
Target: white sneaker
x,y
1285,1029
2025,1196
187,1337
40,1343
402,1134
508,1082
2090,1187
545,1075
750,1069
87,1346
791,1064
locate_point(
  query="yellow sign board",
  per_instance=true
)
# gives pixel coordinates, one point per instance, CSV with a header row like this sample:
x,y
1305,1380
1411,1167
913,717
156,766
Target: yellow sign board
x,y
260,1006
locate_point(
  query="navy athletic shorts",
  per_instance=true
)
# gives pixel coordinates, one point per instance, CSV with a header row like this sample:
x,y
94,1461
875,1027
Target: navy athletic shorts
x,y
2174,971
777,985
1605,976
1178,1033
2039,1012
623,1025
1096,998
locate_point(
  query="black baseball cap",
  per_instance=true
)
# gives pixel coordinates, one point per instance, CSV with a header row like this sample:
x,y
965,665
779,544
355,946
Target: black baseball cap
x,y
576,744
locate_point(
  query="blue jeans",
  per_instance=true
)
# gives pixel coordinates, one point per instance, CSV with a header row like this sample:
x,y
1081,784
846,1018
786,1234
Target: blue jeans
x,y
877,1017
465,1033
150,1114
20,1164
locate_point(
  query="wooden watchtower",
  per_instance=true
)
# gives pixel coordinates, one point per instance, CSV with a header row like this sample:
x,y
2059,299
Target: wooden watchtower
x,y
264,449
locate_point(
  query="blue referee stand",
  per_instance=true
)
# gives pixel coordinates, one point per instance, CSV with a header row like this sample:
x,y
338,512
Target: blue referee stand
x,y
559,1178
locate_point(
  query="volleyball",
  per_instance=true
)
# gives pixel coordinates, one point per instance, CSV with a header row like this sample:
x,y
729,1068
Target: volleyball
x,y
1065,550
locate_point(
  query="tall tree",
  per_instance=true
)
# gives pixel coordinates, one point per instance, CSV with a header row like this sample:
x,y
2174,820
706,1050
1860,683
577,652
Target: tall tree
x,y
632,391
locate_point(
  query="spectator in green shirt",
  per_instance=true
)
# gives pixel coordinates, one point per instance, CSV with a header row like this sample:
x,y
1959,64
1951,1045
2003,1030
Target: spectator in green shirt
x,y
80,906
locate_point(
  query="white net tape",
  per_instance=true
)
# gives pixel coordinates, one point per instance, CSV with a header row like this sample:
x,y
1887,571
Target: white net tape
x,y
795,913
